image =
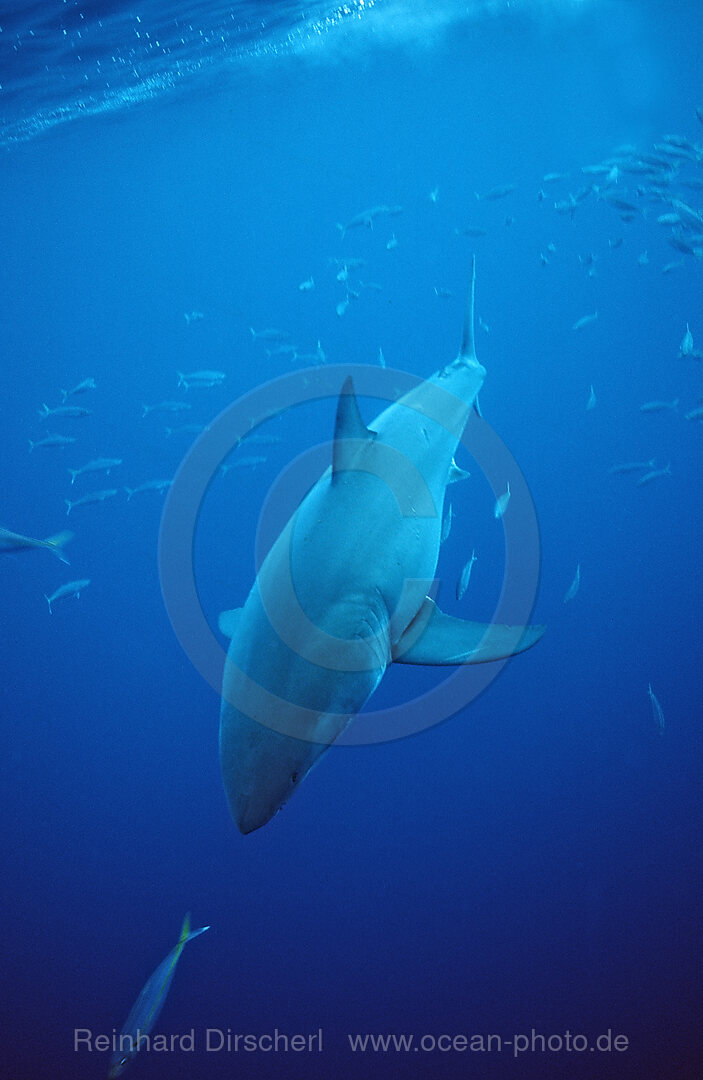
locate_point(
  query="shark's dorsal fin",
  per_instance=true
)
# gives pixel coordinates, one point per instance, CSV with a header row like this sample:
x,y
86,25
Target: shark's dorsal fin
x,y
468,340
435,638
348,425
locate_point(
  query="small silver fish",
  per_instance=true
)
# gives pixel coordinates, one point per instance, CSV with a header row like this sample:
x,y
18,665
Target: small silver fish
x,y
655,474
465,576
249,461
284,349
690,217
632,466
502,503
71,588
567,206
166,406
200,378
261,439
367,217
659,406
269,334
149,485
495,193
63,410
657,711
585,320
79,388
146,1009
669,219
185,429
91,497
686,346
574,586
447,524
51,440
99,465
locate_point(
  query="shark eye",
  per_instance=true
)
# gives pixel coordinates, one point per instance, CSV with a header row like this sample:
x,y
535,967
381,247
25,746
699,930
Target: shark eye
x,y
294,777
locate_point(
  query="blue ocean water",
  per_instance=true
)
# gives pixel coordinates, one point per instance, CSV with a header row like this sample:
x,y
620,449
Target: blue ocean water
x,y
532,864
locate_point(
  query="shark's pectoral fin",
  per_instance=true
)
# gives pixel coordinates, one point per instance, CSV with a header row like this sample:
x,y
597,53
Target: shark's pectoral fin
x,y
456,473
228,622
435,638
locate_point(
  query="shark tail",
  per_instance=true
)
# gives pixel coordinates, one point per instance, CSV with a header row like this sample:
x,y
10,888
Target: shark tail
x,y
31,445
74,473
44,411
468,340
130,492
57,543
48,600
69,504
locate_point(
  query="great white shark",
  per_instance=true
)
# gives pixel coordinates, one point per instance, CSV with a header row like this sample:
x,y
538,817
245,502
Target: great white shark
x,y
344,590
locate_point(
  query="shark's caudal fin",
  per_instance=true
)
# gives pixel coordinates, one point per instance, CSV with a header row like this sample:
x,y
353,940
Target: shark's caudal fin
x,y
468,340
467,352
439,639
